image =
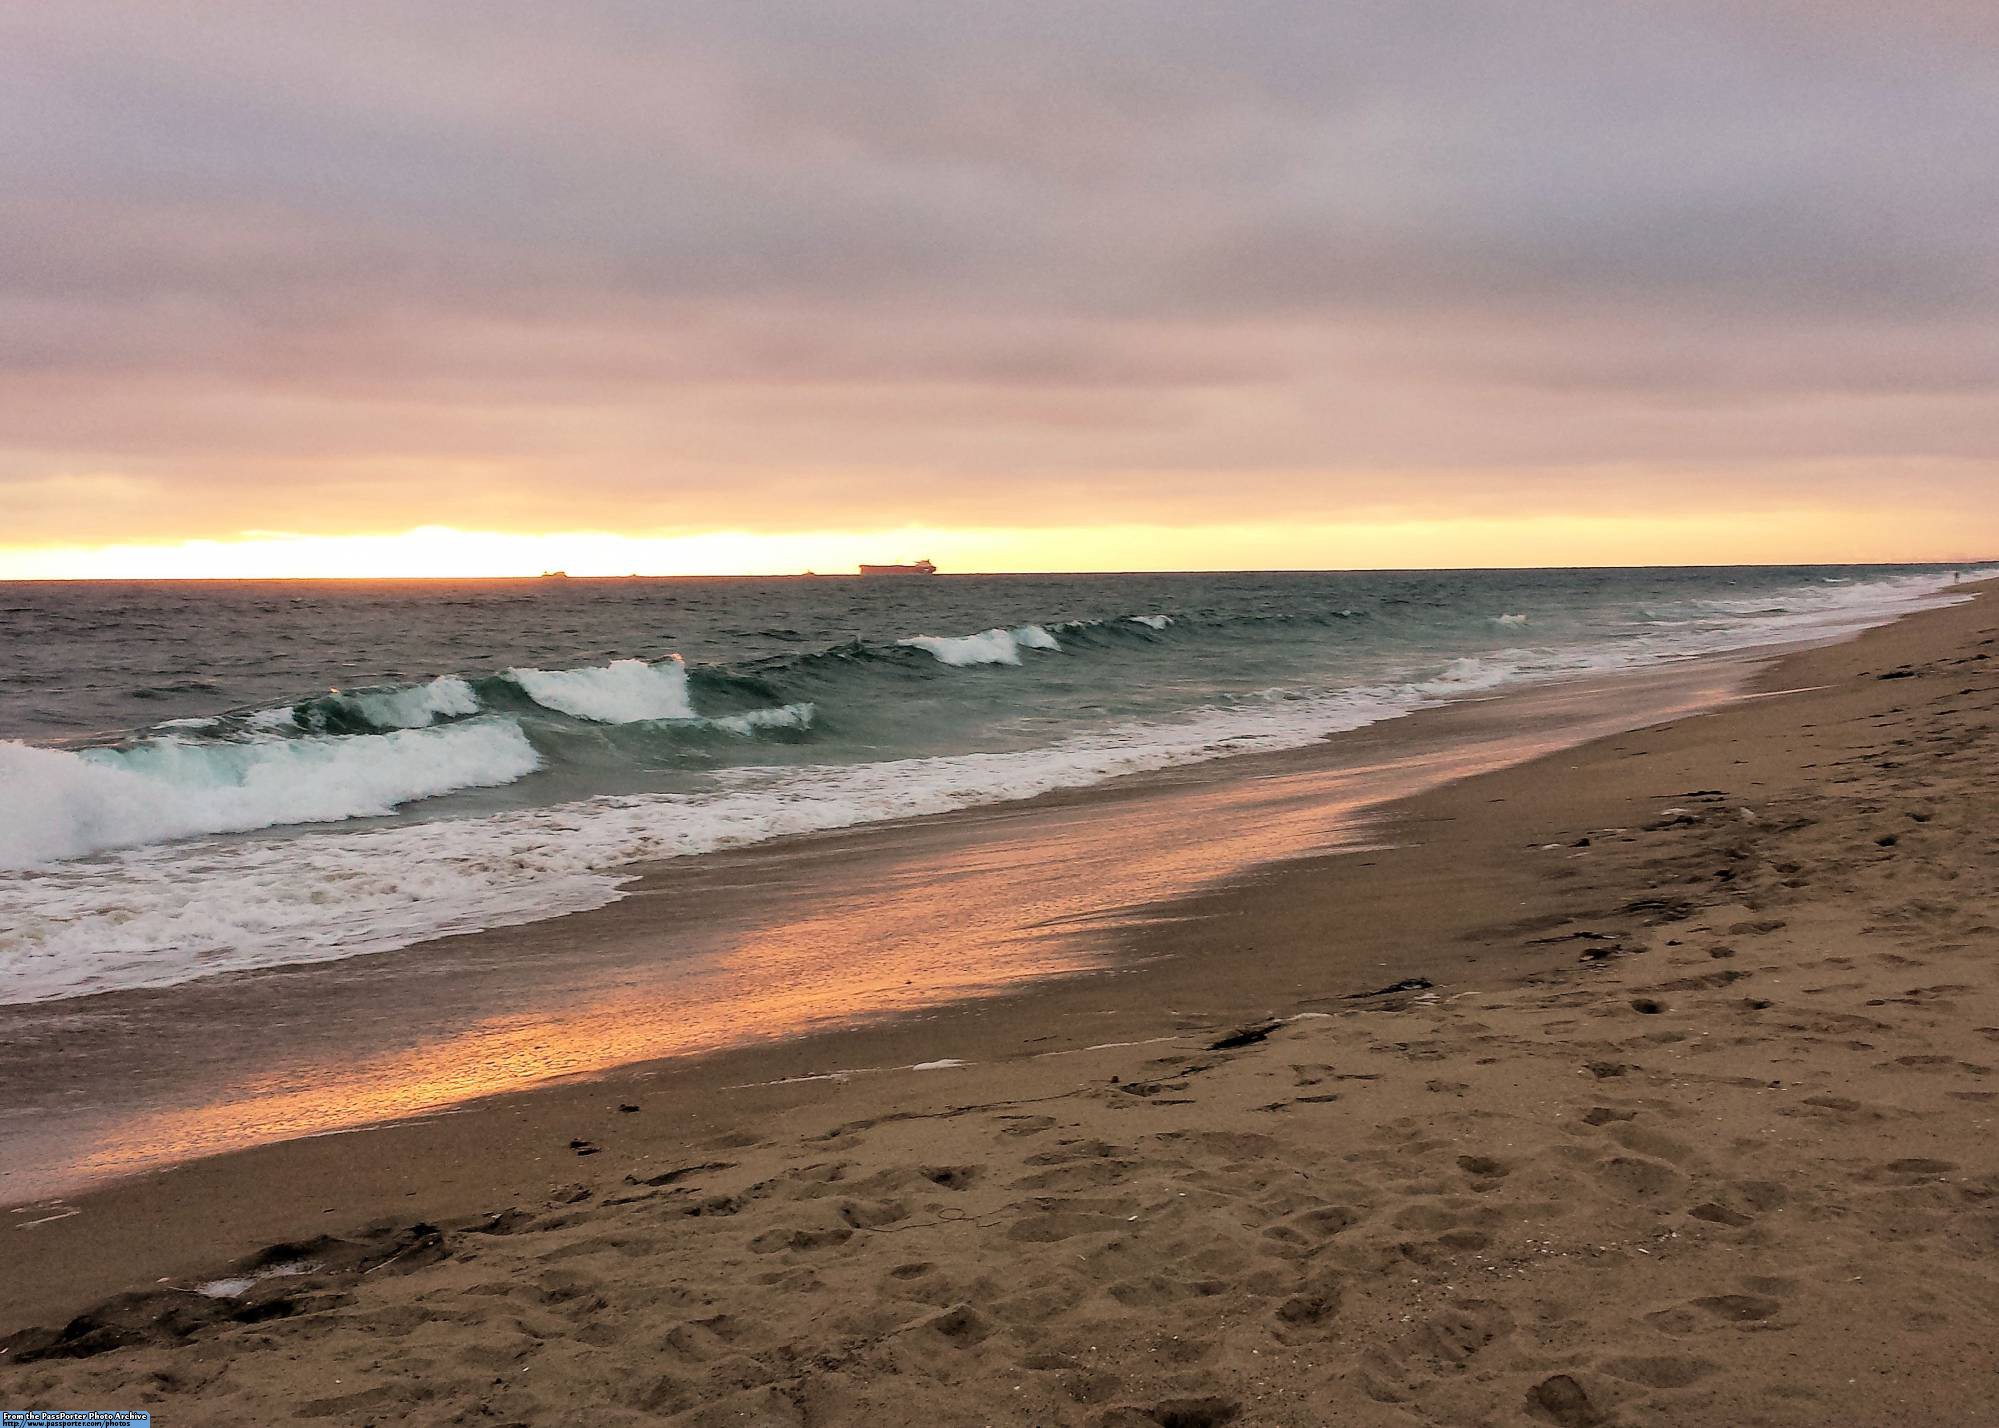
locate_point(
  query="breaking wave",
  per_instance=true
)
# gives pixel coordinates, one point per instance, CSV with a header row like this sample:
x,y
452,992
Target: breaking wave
x,y
986,647
622,692
415,706
789,716
67,804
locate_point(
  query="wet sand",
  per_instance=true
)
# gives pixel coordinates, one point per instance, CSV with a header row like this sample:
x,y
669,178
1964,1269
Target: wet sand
x,y
1690,1121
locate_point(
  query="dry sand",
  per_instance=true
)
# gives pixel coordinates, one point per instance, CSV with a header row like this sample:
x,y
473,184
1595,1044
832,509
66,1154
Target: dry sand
x,y
1694,1124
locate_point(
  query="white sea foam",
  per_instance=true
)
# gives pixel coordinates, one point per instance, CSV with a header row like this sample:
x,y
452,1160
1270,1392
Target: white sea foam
x,y
986,647
786,716
1468,676
65,805
625,691
159,915
1810,612
1509,619
1157,622
236,1286
416,706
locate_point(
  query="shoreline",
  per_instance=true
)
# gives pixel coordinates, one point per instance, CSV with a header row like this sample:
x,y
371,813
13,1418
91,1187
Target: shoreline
x,y
1482,889
1477,736
504,832
601,1011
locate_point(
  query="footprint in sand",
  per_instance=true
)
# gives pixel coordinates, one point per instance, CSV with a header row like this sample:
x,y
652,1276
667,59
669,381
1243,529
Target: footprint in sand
x,y
1714,1212
800,1238
1740,1308
1636,1178
1562,1401
1315,1304
872,1214
1176,1413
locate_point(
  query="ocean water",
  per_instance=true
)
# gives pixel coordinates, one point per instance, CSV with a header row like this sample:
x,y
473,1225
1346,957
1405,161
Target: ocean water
x,y
200,779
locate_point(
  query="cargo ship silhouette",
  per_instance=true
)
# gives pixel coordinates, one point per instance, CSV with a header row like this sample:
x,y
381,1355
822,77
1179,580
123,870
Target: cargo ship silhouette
x,y
922,567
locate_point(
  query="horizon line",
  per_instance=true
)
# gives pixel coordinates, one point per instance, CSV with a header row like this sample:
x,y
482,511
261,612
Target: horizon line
x,y
565,577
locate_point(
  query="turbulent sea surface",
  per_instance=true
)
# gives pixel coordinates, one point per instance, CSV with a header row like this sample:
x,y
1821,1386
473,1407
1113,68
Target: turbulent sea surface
x,y
206,778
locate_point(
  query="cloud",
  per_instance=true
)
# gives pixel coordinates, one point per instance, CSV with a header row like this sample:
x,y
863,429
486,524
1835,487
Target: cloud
x,y
654,262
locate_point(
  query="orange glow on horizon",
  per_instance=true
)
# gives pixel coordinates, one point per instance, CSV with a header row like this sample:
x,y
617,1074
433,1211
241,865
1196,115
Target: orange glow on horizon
x,y
443,552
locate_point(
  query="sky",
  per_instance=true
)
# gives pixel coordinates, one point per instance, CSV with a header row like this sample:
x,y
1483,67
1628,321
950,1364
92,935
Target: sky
x,y
409,287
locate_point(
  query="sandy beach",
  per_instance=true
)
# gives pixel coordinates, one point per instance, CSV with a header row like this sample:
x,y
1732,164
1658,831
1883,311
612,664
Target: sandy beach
x,y
1647,1081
